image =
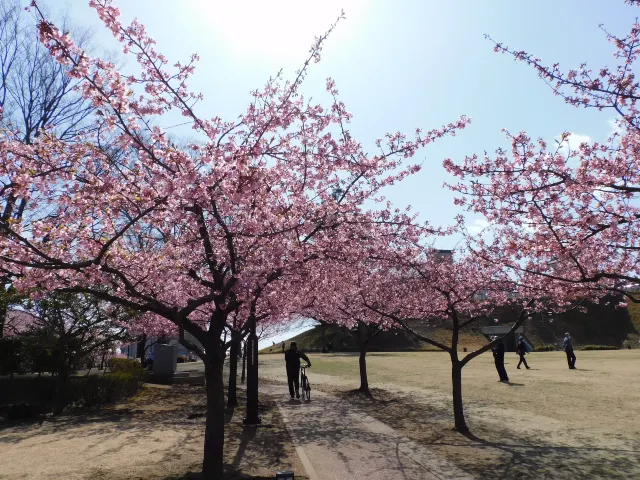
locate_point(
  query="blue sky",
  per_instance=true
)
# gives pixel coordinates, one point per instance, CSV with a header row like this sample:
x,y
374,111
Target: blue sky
x,y
398,65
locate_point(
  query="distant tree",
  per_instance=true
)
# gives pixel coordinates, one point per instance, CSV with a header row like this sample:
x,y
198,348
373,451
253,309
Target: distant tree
x,y
36,94
11,356
69,330
40,351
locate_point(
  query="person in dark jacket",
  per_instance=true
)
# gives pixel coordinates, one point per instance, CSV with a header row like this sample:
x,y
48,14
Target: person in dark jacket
x,y
283,347
498,358
568,349
521,349
292,359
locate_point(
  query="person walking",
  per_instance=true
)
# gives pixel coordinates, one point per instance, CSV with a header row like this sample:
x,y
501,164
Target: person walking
x,y
568,349
498,357
521,349
292,359
282,347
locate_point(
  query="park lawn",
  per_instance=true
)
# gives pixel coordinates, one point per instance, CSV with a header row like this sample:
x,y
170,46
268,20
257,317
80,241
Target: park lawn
x,y
158,434
550,421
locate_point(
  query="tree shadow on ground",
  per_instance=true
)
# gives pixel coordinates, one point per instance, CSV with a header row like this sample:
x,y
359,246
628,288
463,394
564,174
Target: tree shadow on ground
x,y
260,451
499,451
230,474
153,408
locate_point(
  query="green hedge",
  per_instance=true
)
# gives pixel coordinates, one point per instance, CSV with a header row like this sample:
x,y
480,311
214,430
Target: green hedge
x,y
127,365
545,348
34,394
98,390
27,389
599,347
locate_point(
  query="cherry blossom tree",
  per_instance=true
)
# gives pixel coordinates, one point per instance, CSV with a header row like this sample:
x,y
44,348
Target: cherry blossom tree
x,y
433,293
190,234
561,213
75,327
414,288
335,299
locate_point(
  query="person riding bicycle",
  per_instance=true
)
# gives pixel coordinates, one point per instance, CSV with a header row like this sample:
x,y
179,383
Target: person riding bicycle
x,y
292,358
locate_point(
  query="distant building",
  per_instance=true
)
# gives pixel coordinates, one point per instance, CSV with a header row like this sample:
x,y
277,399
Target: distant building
x,y
510,341
135,350
444,255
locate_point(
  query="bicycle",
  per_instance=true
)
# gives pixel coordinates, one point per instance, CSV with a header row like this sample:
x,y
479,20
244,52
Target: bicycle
x,y
306,386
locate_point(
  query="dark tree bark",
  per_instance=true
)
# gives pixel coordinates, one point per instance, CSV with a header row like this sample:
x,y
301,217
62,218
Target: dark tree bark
x,y
4,306
232,396
458,406
324,329
244,363
143,355
252,417
364,381
62,387
212,465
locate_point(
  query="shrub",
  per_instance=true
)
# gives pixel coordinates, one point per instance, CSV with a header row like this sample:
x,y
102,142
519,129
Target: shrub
x,y
23,411
599,347
11,356
98,390
81,392
545,348
27,390
126,365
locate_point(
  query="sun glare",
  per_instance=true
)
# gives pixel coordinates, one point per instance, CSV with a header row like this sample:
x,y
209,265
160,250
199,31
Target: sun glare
x,y
277,29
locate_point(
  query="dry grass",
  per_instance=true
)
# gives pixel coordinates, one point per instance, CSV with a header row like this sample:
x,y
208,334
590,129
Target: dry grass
x,y
550,422
158,434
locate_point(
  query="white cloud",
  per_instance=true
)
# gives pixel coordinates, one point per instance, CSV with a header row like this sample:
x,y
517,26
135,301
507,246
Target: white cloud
x,y
572,142
477,226
615,126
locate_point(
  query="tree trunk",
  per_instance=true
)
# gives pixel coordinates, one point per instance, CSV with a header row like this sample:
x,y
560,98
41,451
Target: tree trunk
x,y
232,400
60,395
458,407
244,362
4,307
364,381
212,464
143,355
252,417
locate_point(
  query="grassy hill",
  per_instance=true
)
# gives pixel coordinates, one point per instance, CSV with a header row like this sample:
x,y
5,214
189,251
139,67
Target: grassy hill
x,y
601,325
634,312
395,340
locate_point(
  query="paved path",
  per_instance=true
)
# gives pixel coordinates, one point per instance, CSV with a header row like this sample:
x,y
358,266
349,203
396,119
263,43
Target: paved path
x,y
335,440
